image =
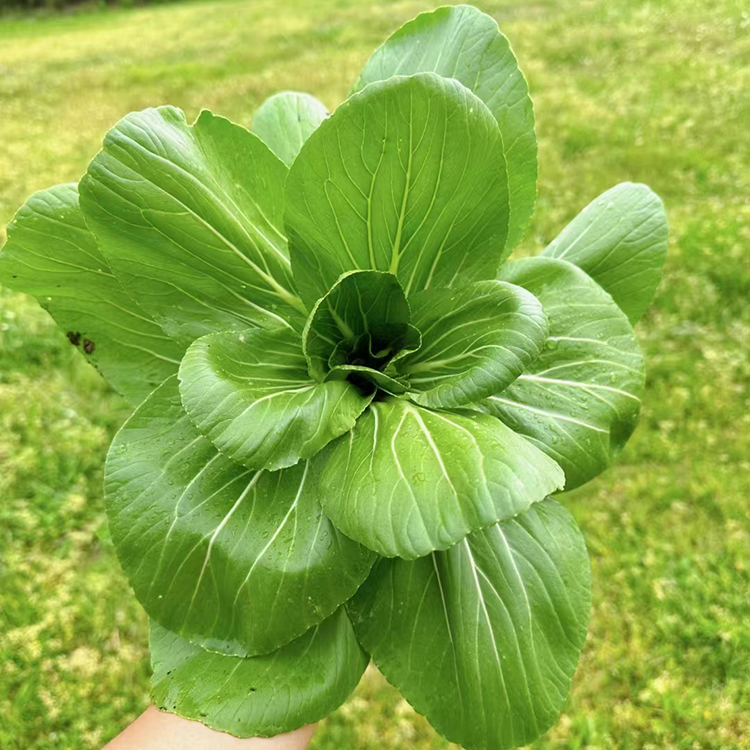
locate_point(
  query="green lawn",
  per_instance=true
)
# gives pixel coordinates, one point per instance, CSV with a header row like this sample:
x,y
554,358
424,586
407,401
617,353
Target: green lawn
x,y
648,90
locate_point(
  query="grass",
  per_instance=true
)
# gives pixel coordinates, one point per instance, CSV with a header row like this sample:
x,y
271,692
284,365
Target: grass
x,y
648,90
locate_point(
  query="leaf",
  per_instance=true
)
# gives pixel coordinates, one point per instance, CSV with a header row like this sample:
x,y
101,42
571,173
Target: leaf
x,y
484,639
261,696
408,342
620,240
190,219
284,122
217,551
406,177
475,342
362,307
580,400
356,373
51,254
361,350
464,43
408,480
250,393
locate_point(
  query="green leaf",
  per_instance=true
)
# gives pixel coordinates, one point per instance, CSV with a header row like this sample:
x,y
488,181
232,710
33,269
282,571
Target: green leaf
x,y
190,219
250,393
463,43
620,240
362,307
580,400
261,696
406,177
484,639
409,342
475,342
408,480
51,254
285,121
215,550
355,373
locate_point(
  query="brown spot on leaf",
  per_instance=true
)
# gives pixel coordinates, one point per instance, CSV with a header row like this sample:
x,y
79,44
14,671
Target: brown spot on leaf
x,y
74,337
88,346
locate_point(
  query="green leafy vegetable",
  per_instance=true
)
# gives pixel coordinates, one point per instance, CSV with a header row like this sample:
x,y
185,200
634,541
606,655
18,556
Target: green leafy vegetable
x,y
461,42
409,480
299,684
580,400
51,254
408,177
190,219
484,638
352,414
620,240
215,550
475,341
285,121
364,311
251,394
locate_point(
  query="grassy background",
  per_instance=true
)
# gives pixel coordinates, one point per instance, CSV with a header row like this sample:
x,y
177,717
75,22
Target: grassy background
x,y
17,7
630,89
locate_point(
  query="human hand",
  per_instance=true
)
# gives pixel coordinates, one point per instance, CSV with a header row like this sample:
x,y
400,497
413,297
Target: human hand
x,y
157,730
